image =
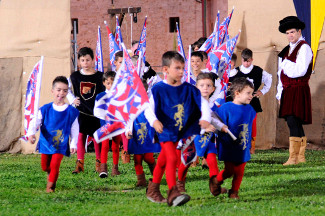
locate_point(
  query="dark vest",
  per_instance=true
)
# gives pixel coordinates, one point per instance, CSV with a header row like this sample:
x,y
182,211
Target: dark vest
x,y
256,75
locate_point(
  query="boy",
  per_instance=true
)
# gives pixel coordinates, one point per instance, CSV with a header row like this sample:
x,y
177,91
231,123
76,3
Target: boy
x,y
175,113
108,79
258,76
118,60
238,116
196,63
58,121
86,84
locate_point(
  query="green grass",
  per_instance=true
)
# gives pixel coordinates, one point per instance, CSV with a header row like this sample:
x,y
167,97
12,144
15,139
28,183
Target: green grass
x,y
268,188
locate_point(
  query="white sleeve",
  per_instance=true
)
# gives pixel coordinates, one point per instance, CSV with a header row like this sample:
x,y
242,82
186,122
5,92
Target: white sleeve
x,y
205,110
70,95
74,134
149,113
279,87
34,124
267,80
216,122
298,68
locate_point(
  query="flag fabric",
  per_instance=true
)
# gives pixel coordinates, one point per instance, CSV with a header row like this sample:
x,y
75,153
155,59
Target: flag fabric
x,y
223,29
219,62
210,41
188,151
32,95
141,50
118,34
99,64
113,47
123,103
180,48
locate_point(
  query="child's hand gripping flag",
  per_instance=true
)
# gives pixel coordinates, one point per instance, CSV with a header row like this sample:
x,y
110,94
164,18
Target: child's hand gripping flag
x,y
32,96
124,102
99,65
113,47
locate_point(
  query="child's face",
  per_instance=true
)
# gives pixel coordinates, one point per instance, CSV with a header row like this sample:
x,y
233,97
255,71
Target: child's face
x,y
196,63
247,63
59,91
245,96
206,87
174,72
232,63
118,63
108,83
86,62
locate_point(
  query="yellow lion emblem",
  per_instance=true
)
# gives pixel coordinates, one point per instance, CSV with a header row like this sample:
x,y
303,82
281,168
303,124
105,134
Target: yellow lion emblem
x,y
142,132
179,115
243,136
58,138
205,138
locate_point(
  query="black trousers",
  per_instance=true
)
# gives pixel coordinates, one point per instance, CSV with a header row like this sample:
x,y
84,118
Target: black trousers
x,y
295,126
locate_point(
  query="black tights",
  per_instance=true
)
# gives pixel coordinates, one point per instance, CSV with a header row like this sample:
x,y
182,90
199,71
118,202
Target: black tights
x,y
295,126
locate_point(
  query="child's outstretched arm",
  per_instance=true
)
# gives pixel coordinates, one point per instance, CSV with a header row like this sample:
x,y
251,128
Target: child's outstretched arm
x,y
151,116
205,114
218,124
74,133
33,125
71,98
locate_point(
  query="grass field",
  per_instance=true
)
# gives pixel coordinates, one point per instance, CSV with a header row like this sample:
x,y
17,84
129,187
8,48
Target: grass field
x,y
268,188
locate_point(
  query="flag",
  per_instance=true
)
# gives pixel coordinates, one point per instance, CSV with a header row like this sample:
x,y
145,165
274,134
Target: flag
x,y
123,103
180,48
99,65
219,61
118,34
113,47
187,69
188,151
223,29
141,50
32,95
210,41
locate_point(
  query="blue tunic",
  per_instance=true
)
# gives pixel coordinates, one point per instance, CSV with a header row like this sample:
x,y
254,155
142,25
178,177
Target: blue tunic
x,y
205,144
178,108
143,134
239,119
55,129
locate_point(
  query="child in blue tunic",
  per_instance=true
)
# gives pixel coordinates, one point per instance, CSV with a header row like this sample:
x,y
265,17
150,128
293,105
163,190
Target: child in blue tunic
x,y
205,144
239,116
175,113
142,144
57,121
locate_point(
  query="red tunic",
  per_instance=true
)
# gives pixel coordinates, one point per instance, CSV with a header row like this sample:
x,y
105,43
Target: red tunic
x,y
296,98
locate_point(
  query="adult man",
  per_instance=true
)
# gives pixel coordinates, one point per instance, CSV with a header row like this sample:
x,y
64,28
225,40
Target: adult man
x,y
295,67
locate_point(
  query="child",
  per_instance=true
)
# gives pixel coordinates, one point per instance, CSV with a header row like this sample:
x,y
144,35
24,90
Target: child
x,y
86,84
205,144
196,63
205,61
58,121
118,60
239,116
175,113
259,76
108,79
141,144
233,61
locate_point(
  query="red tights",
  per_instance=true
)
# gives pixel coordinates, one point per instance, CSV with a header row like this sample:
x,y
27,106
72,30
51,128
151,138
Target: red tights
x,y
138,158
81,147
212,163
233,169
167,160
51,165
115,149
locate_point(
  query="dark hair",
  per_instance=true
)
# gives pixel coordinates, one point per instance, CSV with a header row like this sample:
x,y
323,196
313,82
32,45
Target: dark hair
x,y
234,57
204,54
86,51
202,76
118,54
61,79
168,56
246,54
145,84
197,54
239,84
202,40
108,74
134,42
